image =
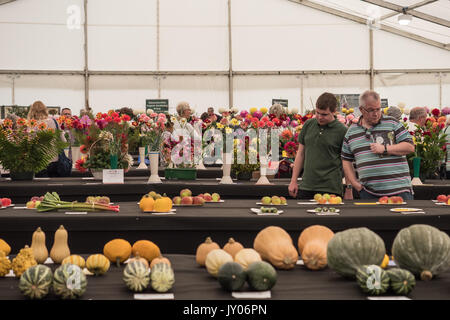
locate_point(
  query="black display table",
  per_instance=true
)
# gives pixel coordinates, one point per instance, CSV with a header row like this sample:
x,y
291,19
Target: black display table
x,y
185,230
194,283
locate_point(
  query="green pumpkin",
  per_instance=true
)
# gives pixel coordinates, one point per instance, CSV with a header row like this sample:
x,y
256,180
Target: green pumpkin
x,y
232,276
136,276
372,279
261,276
36,281
162,277
352,248
402,281
69,281
422,249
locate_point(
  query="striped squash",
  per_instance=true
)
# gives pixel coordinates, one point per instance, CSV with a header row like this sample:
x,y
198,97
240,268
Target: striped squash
x,y
136,276
75,259
372,279
162,277
36,281
98,264
402,281
69,281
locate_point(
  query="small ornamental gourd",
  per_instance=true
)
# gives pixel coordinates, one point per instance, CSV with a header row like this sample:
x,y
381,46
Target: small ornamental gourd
x,y
160,259
75,259
372,279
136,276
147,250
232,276
261,276
69,282
385,262
402,281
422,249
23,261
117,251
203,249
97,264
163,204
137,257
233,247
40,251
162,277
36,281
275,245
146,203
5,247
60,249
5,264
247,256
352,248
215,259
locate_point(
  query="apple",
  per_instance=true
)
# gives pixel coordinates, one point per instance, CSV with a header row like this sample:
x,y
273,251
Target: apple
x,y
266,200
176,200
36,203
397,199
317,197
326,196
31,204
5,202
283,200
187,200
185,193
215,197
276,200
322,201
448,201
440,198
383,200
391,200
207,197
338,200
198,200
200,195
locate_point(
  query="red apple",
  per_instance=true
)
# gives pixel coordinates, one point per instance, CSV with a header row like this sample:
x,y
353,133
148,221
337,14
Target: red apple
x,y
187,200
200,195
397,199
391,200
176,200
442,198
198,200
207,197
383,200
6,202
185,193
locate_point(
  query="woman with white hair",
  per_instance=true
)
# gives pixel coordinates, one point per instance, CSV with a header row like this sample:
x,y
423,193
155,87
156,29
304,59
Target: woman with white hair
x,y
184,110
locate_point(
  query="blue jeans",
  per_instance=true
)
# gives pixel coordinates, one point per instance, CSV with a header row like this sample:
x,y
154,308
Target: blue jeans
x,y
363,194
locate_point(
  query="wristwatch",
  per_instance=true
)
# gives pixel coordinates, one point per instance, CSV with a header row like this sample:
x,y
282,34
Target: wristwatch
x,y
385,153
349,186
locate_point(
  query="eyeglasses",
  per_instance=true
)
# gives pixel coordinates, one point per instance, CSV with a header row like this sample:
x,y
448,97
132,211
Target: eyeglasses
x,y
378,110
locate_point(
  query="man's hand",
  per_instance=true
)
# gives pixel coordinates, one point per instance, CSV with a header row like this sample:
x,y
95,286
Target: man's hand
x,y
293,189
377,148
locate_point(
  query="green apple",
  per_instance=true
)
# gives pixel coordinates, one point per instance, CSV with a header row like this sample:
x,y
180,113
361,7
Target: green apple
x,y
276,200
266,200
185,193
215,197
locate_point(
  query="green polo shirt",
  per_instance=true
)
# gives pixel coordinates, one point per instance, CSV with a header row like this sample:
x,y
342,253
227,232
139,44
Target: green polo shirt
x,y
322,166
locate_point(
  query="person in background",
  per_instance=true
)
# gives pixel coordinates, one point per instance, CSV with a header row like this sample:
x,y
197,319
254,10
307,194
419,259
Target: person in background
x,y
395,113
417,117
38,111
379,147
447,132
319,152
66,112
277,109
184,110
212,115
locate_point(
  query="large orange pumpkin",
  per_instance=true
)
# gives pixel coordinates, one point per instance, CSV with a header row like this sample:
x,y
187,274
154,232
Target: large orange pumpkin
x,y
275,245
146,249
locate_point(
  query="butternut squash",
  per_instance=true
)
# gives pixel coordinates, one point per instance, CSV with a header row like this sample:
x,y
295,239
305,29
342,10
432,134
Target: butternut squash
x,y
275,246
312,246
38,246
60,249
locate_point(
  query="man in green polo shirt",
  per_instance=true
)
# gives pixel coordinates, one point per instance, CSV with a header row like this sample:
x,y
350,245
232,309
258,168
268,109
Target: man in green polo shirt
x,y
319,152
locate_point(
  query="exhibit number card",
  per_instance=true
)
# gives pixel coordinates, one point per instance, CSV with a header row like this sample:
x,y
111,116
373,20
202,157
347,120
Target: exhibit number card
x,y
252,295
112,176
389,298
154,296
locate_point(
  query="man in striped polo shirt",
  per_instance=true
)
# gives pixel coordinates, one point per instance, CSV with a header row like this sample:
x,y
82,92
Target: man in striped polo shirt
x,y
379,146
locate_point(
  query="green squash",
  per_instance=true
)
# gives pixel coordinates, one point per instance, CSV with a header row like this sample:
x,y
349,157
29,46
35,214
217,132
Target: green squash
x,y
352,248
136,276
402,281
69,281
36,281
261,276
232,276
422,249
372,279
162,277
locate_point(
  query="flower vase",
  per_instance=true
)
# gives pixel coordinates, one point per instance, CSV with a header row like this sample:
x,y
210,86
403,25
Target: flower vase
x,y
154,166
142,164
200,165
76,155
416,166
97,174
263,170
21,176
226,178
114,161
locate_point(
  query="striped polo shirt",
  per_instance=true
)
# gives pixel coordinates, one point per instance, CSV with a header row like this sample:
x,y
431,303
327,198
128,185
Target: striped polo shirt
x,y
379,175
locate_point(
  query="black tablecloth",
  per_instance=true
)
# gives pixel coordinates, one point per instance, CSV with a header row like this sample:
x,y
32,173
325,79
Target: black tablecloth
x,y
134,187
184,231
194,283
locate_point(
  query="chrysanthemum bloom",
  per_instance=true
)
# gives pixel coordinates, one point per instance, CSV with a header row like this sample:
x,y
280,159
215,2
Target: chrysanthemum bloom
x,y
21,122
42,126
32,123
263,110
436,112
286,134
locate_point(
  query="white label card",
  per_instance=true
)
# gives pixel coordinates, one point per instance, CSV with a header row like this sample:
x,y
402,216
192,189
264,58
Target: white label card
x,y
113,176
10,274
300,263
76,212
391,263
252,295
49,261
154,296
389,298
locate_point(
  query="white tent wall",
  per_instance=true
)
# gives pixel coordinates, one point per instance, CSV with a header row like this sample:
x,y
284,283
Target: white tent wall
x,y
267,35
